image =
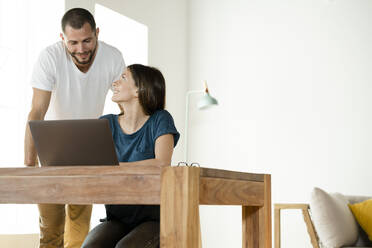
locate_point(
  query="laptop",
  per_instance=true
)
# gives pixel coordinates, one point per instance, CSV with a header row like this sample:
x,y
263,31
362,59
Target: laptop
x,y
74,142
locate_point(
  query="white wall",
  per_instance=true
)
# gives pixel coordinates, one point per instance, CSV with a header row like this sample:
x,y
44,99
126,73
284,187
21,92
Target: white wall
x,y
293,81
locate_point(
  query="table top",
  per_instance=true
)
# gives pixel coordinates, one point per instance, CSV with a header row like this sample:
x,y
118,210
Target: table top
x,y
117,185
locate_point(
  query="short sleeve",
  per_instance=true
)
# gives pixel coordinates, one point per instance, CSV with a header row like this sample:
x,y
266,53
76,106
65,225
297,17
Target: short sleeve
x,y
165,125
44,72
119,68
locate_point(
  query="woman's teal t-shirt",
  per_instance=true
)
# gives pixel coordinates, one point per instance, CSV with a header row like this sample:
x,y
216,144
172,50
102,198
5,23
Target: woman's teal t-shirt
x,y
135,147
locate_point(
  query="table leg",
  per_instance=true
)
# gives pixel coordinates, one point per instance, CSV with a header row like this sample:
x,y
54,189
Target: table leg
x,y
251,230
257,221
179,209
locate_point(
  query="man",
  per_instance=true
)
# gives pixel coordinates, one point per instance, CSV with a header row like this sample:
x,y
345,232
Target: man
x,y
70,80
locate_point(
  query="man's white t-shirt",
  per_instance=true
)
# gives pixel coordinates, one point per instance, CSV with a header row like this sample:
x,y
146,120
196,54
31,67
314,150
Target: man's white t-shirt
x,y
76,95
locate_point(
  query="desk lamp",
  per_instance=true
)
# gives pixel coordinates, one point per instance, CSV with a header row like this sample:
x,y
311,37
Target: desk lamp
x,y
204,102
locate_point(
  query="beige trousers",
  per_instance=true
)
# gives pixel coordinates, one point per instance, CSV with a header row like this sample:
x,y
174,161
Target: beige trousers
x,y
63,226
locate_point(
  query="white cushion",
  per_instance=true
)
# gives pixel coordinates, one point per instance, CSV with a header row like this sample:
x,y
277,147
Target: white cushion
x,y
333,220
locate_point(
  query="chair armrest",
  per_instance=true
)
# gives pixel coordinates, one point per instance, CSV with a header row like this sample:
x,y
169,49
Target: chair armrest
x,y
291,206
305,213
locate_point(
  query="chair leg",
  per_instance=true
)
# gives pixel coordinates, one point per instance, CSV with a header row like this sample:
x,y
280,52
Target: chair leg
x,y
277,228
310,228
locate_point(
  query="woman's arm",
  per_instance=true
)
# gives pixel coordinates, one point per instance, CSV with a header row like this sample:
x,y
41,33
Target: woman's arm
x,y
163,152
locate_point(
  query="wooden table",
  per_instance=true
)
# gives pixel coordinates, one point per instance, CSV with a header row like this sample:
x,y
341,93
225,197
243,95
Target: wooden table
x,y
178,190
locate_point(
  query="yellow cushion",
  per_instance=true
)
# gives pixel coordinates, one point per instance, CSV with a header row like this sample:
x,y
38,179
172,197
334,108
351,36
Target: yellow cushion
x,y
363,214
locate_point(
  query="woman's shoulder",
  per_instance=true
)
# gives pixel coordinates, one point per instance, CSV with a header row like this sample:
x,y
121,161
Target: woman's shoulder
x,y
112,120
162,114
164,124
109,117
162,119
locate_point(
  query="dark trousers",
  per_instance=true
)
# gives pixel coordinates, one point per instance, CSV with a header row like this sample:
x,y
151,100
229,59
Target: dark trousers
x,y
114,234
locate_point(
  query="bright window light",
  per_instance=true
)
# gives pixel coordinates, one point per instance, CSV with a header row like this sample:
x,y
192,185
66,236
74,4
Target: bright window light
x,y
129,36
24,32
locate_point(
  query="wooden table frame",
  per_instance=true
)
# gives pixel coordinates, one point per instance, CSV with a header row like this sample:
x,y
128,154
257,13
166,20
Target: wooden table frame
x,y
178,190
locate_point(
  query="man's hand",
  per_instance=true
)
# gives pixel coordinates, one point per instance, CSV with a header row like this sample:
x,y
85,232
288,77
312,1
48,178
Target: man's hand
x,y
40,104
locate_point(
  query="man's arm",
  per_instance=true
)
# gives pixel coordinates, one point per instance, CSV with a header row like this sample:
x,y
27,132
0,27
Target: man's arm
x,y
39,107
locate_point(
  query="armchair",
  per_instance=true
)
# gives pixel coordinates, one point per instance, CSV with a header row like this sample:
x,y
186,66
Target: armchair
x,y
329,221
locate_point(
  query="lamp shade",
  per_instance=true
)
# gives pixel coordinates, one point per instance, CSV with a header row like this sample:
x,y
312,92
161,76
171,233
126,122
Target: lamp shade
x,y
206,101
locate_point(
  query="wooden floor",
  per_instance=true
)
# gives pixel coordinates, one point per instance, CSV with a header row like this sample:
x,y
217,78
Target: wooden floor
x,y
19,240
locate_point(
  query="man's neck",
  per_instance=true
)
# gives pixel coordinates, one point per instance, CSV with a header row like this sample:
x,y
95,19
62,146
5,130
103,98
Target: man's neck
x,y
83,68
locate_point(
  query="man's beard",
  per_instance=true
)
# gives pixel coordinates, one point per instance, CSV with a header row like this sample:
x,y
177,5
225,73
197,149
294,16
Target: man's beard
x,y
91,54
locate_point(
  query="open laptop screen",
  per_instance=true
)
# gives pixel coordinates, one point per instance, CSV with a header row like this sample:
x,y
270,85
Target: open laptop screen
x,y
74,142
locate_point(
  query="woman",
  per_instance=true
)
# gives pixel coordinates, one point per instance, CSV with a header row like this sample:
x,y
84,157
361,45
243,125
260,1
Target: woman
x,y
144,134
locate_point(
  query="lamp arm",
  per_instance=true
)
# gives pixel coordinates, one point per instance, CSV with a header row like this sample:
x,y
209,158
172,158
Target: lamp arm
x,y
188,93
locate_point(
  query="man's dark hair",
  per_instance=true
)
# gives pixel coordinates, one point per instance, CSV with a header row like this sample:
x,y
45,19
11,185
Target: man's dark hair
x,y
76,18
151,87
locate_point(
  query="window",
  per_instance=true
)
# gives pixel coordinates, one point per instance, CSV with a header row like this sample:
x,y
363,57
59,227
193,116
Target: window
x,y
129,36
23,33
